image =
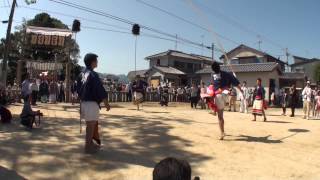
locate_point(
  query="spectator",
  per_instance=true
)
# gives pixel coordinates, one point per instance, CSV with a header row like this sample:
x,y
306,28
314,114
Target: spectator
x,y
314,101
203,90
172,169
194,96
3,99
272,98
74,94
244,98
53,89
306,96
44,91
61,94
25,89
34,92
284,101
294,99
317,106
232,98
180,94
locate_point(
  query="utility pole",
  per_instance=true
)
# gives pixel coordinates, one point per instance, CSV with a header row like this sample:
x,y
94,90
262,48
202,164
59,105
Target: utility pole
x,y
135,56
7,45
176,43
212,51
287,60
259,43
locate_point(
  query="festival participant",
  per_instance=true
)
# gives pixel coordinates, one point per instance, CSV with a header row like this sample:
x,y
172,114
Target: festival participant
x,y
138,88
221,82
306,96
244,98
294,99
259,104
91,93
27,115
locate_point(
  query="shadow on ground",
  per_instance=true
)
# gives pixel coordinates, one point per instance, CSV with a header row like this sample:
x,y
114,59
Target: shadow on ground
x,y
10,174
59,141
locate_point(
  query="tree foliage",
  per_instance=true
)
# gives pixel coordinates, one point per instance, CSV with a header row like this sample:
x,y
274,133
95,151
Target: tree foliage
x,y
317,73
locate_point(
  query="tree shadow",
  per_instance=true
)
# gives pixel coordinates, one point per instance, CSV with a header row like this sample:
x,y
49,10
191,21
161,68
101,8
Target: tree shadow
x,y
10,174
263,139
59,139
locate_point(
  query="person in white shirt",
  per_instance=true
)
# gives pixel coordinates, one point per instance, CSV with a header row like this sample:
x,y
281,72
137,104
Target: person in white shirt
x,y
306,96
25,89
180,94
244,98
34,91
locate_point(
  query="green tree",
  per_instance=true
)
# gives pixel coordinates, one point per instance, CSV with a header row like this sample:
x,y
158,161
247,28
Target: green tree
x,y
317,73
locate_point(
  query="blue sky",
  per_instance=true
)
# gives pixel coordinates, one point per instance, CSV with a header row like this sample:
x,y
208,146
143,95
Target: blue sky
x,y
291,24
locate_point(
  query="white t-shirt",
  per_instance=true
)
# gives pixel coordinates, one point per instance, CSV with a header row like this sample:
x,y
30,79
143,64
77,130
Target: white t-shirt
x,y
306,94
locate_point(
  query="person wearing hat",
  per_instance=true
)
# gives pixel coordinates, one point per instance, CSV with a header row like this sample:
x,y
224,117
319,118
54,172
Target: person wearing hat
x,y
91,93
306,96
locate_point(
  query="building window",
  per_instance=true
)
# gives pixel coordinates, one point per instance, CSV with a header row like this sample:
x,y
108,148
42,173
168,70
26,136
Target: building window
x,y
190,66
179,65
158,62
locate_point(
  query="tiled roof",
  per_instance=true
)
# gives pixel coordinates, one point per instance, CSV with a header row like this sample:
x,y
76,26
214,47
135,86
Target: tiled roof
x,y
306,62
141,73
242,46
168,70
181,54
252,67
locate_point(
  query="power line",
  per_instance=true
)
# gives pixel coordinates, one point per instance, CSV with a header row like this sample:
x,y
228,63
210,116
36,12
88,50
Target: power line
x,y
185,20
101,13
219,15
76,17
240,26
95,21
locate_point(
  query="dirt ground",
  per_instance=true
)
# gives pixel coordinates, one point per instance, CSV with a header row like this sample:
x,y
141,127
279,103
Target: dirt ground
x,y
134,141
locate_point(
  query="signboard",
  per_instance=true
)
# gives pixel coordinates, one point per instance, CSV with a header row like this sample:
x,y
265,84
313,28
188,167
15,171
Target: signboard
x,y
47,37
47,40
44,66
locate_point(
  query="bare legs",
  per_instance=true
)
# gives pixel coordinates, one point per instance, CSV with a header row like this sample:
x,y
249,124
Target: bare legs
x,y
91,133
221,123
264,116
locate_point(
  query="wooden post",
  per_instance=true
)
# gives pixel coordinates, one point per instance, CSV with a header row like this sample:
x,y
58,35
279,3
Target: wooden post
x,y
7,45
68,76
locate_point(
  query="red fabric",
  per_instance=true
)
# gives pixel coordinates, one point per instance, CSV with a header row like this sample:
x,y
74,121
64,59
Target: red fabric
x,y
265,105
